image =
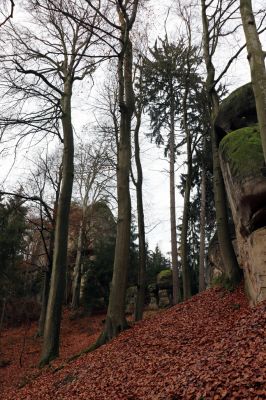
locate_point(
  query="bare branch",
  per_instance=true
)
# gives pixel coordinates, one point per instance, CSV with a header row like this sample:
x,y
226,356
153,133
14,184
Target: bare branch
x,y
10,15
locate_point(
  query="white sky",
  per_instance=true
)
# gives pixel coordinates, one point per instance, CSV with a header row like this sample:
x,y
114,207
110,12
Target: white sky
x,y
156,183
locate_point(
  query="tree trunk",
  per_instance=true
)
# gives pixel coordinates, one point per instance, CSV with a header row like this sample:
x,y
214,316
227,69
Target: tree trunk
x,y
45,295
256,57
141,227
115,319
50,349
185,219
184,234
202,283
176,288
225,244
47,276
77,268
227,251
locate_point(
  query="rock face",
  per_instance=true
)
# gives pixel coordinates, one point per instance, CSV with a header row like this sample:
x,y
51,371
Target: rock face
x,y
131,298
159,293
242,164
215,258
164,284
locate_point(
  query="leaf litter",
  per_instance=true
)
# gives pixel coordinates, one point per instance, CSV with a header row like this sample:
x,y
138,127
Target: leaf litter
x,y
212,346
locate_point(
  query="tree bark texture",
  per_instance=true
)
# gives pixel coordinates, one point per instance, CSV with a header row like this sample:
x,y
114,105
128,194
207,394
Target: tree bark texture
x,y
256,57
50,349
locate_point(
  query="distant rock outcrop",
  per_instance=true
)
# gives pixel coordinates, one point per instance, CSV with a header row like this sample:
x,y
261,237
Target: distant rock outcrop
x,y
242,164
159,293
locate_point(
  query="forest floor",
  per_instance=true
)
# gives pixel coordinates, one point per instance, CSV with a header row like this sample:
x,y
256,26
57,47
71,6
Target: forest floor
x,y
212,346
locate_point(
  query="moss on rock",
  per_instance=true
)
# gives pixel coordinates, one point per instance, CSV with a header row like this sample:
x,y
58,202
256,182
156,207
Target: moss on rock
x,y
243,151
164,279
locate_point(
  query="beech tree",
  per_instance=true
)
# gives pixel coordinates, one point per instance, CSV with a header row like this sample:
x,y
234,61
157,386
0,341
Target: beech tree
x,y
138,182
45,67
93,173
214,17
115,319
45,181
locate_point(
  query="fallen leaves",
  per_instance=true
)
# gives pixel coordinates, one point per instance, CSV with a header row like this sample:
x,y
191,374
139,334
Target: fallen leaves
x,y
205,348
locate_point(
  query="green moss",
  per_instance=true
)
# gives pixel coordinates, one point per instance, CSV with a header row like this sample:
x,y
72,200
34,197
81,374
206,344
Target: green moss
x,y
164,274
243,151
222,281
164,279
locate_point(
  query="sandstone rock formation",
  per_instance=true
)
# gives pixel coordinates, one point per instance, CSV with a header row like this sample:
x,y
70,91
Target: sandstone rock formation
x,y
159,293
243,169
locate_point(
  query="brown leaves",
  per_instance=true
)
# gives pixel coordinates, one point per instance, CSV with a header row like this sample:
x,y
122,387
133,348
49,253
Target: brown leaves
x,y
205,348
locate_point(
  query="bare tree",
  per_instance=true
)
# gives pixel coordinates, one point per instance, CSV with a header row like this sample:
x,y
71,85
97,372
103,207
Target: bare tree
x,y
10,12
45,66
138,182
93,175
215,15
115,319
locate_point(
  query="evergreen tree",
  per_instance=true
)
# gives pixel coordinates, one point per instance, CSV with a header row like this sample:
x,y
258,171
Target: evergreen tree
x,y
13,228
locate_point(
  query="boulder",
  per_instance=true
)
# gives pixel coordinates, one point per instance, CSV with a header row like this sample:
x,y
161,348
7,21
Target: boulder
x,y
153,296
216,265
164,298
164,279
242,165
236,111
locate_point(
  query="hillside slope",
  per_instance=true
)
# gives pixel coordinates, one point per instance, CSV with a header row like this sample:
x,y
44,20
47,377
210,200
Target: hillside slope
x,y
210,347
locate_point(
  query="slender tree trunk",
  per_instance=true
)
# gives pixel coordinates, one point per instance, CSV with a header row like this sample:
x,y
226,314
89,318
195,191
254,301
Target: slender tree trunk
x,y
185,219
141,227
256,57
77,268
176,287
226,247
202,283
184,234
45,295
50,349
115,319
227,251
47,276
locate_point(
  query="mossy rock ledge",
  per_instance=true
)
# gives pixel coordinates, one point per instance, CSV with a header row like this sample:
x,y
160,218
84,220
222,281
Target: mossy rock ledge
x,y
164,279
242,150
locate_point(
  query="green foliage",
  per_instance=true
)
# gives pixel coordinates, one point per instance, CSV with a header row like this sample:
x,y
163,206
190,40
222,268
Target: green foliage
x,y
156,262
99,274
165,279
243,151
12,244
164,274
224,282
164,77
